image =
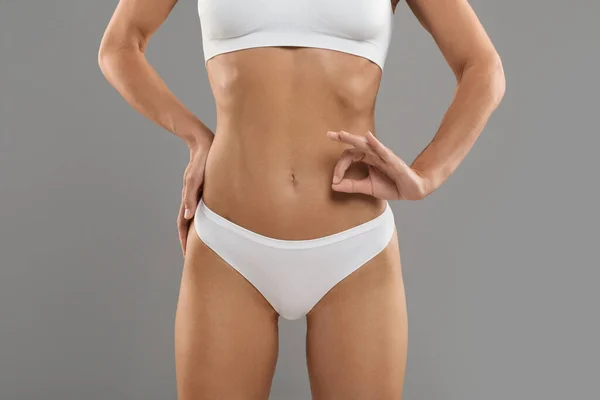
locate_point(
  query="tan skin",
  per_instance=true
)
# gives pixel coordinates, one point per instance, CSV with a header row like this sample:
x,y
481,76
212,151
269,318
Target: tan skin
x,y
294,158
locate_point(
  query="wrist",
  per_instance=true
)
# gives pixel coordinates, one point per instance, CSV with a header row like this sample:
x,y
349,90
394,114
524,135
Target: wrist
x,y
428,182
201,140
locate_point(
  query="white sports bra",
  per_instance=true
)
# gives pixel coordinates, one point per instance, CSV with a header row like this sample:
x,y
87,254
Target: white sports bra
x,y
359,27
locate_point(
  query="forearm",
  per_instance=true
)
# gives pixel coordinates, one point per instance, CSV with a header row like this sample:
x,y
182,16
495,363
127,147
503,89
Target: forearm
x,y
479,91
140,85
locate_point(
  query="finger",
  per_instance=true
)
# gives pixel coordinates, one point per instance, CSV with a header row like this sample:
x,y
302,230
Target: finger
x,y
348,157
182,225
352,155
380,149
392,163
354,186
360,142
191,190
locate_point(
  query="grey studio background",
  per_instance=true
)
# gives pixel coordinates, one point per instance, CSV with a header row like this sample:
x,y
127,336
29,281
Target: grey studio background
x,y
500,264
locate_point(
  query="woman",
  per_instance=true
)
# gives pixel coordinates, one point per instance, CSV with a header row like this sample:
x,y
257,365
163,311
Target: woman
x,y
285,212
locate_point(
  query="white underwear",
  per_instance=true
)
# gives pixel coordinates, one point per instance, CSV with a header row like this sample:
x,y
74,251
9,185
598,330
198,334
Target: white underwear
x,y
293,275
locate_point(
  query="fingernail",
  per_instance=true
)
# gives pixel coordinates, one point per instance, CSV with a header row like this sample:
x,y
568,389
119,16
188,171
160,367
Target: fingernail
x,y
187,213
336,179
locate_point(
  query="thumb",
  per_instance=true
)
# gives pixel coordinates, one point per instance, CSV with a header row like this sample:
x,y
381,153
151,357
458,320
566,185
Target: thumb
x,y
347,185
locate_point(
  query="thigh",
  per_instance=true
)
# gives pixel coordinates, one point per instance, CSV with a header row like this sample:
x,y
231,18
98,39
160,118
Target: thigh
x,y
226,334
357,334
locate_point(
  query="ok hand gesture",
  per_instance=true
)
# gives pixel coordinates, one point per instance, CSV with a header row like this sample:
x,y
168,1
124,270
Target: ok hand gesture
x,y
390,178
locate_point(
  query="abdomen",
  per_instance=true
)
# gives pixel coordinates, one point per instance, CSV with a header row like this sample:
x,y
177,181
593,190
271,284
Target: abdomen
x,y
271,164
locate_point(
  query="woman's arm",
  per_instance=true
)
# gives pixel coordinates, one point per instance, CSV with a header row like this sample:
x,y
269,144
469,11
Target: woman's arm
x,y
122,60
480,88
480,84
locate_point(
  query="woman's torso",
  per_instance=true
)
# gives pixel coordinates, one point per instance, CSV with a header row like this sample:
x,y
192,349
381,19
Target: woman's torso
x,y
271,164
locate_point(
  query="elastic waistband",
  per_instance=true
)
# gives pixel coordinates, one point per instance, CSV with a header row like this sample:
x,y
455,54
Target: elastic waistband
x,y
205,213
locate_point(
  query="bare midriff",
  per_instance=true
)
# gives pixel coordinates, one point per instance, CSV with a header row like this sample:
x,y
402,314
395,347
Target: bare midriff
x,y
270,167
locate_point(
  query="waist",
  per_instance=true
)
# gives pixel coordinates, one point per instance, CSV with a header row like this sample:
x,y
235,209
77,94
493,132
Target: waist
x,y
278,183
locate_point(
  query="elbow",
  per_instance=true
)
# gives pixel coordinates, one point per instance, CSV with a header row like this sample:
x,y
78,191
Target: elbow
x,y
106,54
112,51
487,74
497,80
103,54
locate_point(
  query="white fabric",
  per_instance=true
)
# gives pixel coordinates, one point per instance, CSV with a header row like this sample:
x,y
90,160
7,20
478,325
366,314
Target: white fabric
x,y
293,275
359,27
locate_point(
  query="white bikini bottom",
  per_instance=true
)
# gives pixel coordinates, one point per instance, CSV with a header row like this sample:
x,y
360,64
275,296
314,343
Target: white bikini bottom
x,y
293,275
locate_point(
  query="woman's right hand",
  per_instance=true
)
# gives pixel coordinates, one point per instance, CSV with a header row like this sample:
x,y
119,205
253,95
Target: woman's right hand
x,y
193,180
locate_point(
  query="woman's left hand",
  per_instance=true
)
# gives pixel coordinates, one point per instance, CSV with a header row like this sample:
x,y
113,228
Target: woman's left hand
x,y
390,178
